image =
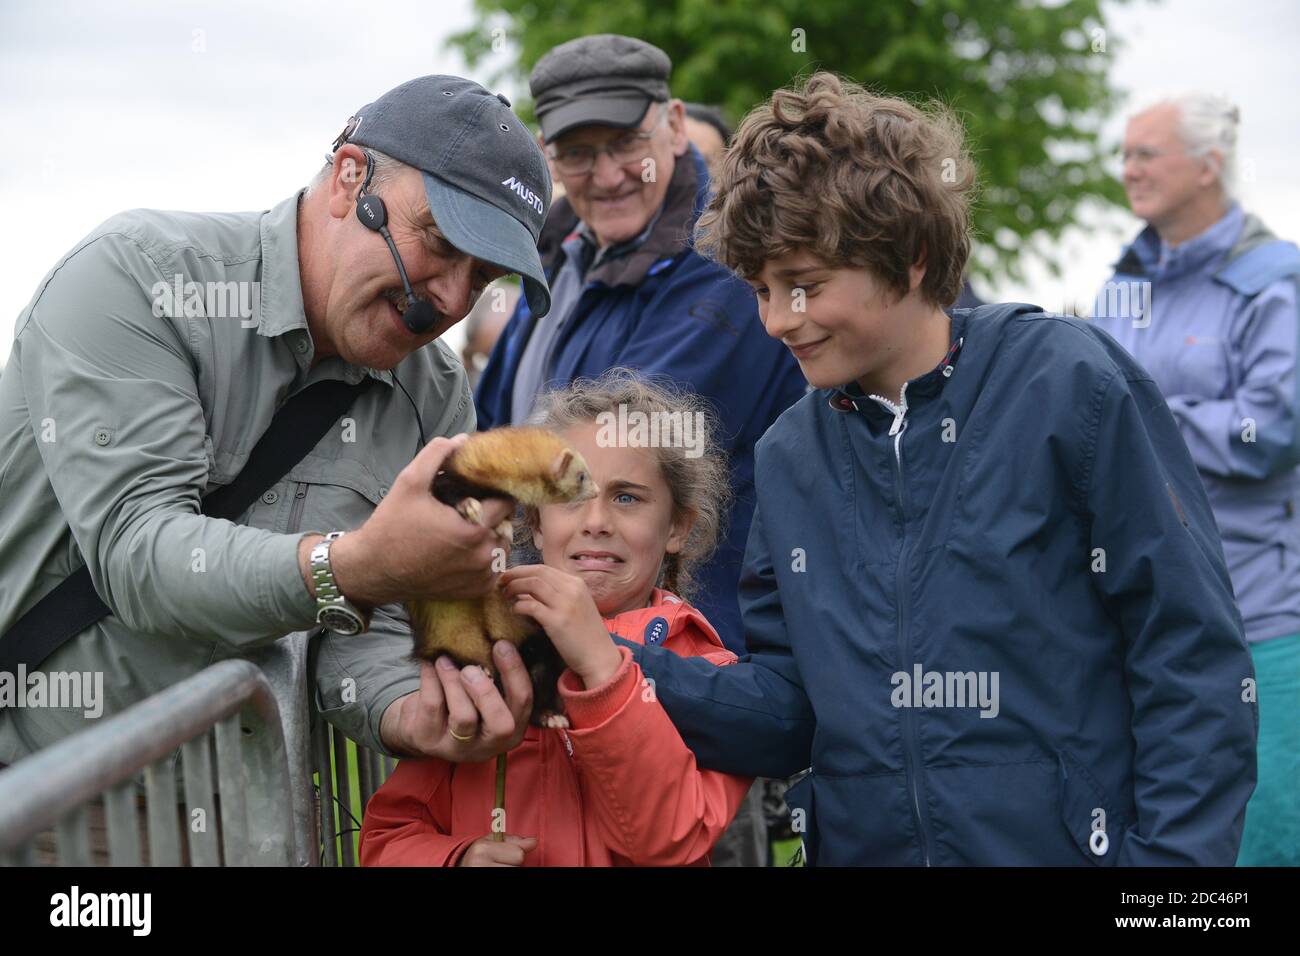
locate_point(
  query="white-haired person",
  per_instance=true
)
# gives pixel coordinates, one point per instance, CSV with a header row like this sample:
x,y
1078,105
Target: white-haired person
x,y
1206,298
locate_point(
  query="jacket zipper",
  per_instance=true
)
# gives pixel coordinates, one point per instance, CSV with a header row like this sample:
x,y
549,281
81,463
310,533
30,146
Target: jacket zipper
x,y
299,500
582,826
912,760
898,426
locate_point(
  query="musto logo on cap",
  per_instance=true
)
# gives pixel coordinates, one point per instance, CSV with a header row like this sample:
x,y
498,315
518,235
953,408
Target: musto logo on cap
x,y
524,193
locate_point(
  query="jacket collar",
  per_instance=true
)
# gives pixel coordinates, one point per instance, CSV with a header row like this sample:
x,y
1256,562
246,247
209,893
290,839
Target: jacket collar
x,y
1149,256
663,619
851,397
280,307
669,234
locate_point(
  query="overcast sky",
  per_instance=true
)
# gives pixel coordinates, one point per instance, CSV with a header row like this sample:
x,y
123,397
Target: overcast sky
x,y
232,105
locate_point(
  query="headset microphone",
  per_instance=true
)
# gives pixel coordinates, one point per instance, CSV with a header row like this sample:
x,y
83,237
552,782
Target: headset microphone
x,y
420,314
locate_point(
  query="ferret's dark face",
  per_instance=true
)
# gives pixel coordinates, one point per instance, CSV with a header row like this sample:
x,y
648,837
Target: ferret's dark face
x,y
617,539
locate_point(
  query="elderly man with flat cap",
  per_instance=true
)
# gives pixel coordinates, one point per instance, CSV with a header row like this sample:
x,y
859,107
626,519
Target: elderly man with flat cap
x,y
187,480
627,288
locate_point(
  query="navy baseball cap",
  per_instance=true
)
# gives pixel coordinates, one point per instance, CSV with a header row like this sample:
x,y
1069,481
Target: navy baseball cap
x,y
485,177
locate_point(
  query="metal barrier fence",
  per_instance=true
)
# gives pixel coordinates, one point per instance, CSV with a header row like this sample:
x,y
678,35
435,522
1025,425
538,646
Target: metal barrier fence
x,y
262,807
351,774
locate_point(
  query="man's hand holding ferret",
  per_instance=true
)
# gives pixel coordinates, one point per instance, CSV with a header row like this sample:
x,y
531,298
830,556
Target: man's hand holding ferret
x,y
459,715
413,546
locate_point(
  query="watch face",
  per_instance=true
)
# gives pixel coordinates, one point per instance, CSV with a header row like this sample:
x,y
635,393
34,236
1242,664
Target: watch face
x,y
339,621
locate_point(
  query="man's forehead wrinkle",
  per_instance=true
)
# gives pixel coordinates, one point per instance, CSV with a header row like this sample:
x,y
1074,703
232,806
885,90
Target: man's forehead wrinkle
x,y
417,215
424,218
421,220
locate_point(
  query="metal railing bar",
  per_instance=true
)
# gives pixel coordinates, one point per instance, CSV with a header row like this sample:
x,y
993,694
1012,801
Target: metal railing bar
x,y
85,764
232,784
164,828
73,841
123,824
344,787
200,828
321,749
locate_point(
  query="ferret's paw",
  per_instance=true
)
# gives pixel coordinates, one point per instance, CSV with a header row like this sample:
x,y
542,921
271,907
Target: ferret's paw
x,y
506,530
555,721
471,509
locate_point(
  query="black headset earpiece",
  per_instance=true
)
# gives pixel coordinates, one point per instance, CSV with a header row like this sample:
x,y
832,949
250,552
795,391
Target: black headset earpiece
x,y
370,209
371,212
420,315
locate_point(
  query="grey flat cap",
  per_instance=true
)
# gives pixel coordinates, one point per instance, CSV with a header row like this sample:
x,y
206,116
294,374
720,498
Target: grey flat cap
x,y
604,79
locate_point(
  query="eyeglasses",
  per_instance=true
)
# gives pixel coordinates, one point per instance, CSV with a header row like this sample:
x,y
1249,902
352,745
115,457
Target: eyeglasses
x,y
625,150
1144,154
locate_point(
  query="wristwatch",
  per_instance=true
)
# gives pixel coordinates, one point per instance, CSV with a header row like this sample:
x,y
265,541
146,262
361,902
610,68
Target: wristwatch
x,y
333,610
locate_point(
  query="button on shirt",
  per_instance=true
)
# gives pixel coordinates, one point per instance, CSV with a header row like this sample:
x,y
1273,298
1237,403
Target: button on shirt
x,y
119,411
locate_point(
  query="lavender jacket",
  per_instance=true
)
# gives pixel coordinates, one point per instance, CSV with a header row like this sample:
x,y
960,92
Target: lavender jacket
x,y
1215,322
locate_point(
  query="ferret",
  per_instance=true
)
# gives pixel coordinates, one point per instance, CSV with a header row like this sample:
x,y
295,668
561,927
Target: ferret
x,y
531,466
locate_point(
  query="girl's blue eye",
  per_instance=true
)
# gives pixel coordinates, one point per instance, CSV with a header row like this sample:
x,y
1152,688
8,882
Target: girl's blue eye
x,y
626,494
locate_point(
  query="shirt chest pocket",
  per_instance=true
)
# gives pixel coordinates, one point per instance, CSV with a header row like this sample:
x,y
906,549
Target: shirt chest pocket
x,y
332,495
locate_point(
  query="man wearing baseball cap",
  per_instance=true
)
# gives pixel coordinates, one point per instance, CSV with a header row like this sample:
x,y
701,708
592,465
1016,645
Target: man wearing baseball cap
x,y
157,353
627,289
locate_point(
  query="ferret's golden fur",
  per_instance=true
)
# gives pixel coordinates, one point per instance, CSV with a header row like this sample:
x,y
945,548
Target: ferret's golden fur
x,y
531,466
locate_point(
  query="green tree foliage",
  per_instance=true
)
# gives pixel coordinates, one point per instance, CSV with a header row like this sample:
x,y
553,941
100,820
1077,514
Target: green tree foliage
x,y
1029,81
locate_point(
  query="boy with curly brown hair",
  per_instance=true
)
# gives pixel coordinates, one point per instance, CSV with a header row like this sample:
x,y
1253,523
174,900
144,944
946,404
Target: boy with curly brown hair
x,y
984,596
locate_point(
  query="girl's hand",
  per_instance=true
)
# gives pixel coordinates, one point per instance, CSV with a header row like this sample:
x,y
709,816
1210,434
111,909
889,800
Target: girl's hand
x,y
486,852
562,605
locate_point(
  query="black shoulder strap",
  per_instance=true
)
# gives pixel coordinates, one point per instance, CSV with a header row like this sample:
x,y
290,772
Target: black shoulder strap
x,y
294,431
74,605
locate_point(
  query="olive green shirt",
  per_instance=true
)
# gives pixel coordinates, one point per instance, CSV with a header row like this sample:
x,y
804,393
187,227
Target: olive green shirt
x,y
122,404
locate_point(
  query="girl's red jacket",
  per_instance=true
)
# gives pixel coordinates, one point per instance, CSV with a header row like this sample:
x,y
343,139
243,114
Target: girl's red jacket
x,y
619,788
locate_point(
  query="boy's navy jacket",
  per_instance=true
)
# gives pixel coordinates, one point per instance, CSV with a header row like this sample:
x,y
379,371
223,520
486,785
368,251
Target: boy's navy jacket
x,y
1039,519
668,312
